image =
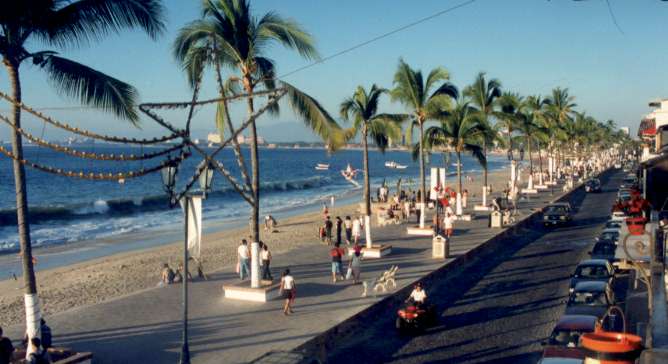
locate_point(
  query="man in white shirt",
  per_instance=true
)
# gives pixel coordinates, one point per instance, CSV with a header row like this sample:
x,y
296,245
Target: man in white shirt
x,y
418,296
243,255
448,223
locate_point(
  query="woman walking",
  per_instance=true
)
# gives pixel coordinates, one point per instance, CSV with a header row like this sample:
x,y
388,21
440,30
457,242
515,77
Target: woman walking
x,y
357,230
354,265
287,290
339,222
265,255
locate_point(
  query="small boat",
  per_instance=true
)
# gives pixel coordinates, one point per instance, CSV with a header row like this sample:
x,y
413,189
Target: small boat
x,y
322,167
395,165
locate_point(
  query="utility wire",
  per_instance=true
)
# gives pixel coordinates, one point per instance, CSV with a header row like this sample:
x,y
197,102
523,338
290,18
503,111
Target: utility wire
x,y
614,18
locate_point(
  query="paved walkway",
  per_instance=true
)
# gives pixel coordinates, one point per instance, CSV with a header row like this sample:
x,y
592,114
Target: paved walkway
x,y
146,327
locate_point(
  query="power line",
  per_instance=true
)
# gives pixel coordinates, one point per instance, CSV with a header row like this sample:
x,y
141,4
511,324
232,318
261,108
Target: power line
x,y
377,38
614,18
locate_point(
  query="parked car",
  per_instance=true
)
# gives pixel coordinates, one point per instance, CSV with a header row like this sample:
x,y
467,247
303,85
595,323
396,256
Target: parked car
x,y
593,185
609,235
590,298
613,224
557,213
592,270
564,341
618,216
604,249
561,356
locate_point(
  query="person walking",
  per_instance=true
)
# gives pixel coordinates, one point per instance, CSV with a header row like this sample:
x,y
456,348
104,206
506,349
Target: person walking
x,y
265,256
355,265
328,230
339,223
243,257
348,224
448,224
357,230
287,289
337,262
465,198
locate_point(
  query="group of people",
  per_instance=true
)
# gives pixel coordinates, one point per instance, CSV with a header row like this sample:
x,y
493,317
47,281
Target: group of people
x,y
169,276
37,348
244,261
351,227
354,264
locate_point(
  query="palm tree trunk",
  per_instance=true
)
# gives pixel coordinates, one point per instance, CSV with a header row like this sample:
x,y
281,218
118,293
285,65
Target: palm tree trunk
x,y
255,213
423,196
530,157
367,189
459,172
22,221
484,152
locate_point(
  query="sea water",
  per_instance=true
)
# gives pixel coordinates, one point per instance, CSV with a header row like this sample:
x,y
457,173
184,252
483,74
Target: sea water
x,y
66,210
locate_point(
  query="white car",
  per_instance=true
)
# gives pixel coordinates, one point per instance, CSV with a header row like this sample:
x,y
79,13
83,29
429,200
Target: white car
x,y
618,216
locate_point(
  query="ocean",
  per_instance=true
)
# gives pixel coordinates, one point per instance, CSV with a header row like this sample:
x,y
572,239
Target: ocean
x,y
66,210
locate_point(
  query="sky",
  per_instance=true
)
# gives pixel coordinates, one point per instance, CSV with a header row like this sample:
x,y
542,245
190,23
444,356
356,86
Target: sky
x,y
531,46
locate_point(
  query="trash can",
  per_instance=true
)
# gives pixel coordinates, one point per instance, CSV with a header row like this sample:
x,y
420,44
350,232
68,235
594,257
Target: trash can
x,y
611,347
495,220
440,247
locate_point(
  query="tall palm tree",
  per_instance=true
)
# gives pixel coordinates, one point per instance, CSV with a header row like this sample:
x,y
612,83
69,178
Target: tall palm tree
x,y
483,94
60,23
362,108
532,123
229,35
507,117
460,130
560,109
415,93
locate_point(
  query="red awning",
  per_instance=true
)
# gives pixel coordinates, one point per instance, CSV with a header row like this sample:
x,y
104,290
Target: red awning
x,y
647,127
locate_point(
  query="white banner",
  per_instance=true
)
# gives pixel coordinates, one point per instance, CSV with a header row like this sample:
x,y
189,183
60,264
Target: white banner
x,y
194,225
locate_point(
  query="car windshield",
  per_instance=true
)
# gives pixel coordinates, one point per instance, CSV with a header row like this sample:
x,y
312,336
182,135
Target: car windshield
x,y
609,235
604,249
588,299
591,271
555,210
565,338
613,225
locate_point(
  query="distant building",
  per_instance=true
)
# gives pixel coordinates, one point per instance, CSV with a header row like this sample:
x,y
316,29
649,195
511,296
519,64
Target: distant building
x,y
653,129
625,130
213,138
241,139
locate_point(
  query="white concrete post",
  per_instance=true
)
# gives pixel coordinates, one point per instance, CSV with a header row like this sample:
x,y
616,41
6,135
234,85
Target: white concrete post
x,y
33,317
458,209
540,178
484,196
530,183
550,168
367,231
513,177
422,204
255,272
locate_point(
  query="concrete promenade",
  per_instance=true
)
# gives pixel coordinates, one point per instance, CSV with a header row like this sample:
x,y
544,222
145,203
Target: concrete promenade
x,y
145,327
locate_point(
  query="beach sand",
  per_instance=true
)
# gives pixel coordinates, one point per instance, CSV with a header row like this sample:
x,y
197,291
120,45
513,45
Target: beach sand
x,y
102,279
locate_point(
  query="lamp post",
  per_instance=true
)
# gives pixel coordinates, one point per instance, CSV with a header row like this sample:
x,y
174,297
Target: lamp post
x,y
169,173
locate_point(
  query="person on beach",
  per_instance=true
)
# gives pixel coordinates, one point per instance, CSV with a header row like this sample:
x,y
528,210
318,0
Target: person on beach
x,y
328,230
37,355
339,224
448,224
465,198
265,256
243,255
357,230
337,262
167,275
6,349
287,289
325,211
354,265
178,275
269,223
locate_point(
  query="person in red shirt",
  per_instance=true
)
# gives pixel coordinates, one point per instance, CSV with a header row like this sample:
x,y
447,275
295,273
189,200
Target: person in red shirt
x,y
337,262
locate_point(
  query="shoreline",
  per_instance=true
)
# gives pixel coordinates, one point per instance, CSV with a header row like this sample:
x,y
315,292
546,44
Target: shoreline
x,y
108,277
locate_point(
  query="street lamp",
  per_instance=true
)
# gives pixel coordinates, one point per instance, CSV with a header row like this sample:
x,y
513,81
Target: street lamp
x,y
169,172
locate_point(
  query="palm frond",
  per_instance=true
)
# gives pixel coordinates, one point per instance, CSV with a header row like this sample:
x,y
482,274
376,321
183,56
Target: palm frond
x,y
289,33
92,87
81,21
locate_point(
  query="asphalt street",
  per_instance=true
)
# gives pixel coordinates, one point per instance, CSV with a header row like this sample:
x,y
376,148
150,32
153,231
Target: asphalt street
x,y
500,307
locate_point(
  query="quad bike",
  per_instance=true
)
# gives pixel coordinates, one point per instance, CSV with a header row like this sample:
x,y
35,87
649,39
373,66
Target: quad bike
x,y
416,318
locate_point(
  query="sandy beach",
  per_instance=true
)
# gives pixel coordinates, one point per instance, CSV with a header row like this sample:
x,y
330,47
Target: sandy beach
x,y
103,279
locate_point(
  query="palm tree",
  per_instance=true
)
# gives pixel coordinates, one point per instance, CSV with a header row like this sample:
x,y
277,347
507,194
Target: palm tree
x,y
415,93
362,108
531,123
509,103
560,109
460,130
229,35
483,94
59,23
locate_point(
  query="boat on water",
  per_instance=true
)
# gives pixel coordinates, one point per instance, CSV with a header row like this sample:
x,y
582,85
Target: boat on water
x,y
349,174
395,165
322,167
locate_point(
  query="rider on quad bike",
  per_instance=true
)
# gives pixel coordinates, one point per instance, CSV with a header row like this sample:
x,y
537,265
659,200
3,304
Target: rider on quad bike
x,y
416,315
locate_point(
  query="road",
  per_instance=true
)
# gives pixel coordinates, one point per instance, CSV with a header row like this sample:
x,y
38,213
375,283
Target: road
x,y
499,308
